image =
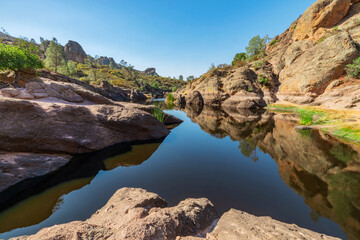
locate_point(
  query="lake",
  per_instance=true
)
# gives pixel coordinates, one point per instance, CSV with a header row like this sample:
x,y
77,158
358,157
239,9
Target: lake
x,y
254,161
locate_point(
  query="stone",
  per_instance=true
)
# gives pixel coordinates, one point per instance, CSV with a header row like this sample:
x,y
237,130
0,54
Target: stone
x,y
15,167
151,72
75,52
322,14
313,71
194,98
235,224
70,96
136,214
69,128
10,92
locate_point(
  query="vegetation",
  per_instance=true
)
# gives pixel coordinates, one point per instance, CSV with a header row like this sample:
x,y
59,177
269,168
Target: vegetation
x,y
55,56
17,59
159,114
273,42
239,59
334,122
321,40
257,46
263,80
169,97
353,70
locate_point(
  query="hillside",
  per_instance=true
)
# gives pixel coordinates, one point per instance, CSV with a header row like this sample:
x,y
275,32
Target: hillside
x,y
78,64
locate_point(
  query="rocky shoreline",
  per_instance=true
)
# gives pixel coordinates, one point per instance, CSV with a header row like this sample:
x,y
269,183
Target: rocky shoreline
x,y
133,213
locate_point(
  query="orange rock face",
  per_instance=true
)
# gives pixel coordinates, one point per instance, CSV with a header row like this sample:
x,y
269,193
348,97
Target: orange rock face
x,y
323,13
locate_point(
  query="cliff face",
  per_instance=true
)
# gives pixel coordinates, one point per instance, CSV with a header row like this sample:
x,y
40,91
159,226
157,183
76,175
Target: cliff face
x,y
304,65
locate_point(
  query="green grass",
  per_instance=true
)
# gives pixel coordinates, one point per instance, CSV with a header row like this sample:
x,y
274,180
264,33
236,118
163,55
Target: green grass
x,y
273,42
170,98
330,121
159,114
348,132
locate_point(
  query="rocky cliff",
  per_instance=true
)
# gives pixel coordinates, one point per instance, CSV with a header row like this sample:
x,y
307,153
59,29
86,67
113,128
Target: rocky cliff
x,y
75,52
304,65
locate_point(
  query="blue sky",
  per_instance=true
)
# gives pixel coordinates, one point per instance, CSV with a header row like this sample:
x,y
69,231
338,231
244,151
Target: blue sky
x,y
174,36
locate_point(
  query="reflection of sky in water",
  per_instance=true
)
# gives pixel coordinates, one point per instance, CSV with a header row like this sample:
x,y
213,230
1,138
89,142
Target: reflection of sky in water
x,y
192,163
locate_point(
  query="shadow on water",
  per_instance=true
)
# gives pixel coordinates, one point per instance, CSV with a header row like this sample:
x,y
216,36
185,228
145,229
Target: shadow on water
x,y
254,161
33,200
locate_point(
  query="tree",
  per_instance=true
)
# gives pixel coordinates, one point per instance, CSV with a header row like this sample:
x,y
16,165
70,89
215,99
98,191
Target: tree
x,y
190,78
68,68
111,65
212,67
17,59
55,55
239,57
42,39
29,46
94,66
353,70
257,45
181,77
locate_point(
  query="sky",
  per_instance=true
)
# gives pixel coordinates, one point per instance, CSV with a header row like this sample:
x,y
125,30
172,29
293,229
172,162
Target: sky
x,y
177,37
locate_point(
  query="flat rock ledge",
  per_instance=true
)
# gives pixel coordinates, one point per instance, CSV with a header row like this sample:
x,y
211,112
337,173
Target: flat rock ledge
x,y
136,214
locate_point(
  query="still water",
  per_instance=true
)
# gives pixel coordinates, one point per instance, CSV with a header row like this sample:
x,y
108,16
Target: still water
x,y
252,161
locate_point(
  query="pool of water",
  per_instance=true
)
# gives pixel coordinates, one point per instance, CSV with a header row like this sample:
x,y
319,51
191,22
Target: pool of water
x,y
252,161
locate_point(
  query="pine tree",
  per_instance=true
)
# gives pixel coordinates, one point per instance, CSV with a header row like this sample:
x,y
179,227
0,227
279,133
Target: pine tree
x,y
55,56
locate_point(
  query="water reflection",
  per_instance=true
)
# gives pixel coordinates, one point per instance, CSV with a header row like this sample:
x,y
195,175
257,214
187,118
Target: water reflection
x,y
250,160
318,167
32,201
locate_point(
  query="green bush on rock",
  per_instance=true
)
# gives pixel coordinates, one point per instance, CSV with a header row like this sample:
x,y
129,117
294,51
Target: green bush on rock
x,y
16,59
353,70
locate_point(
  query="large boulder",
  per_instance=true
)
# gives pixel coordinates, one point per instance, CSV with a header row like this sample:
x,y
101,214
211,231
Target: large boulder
x,y
313,70
136,214
151,72
235,224
33,126
322,14
75,52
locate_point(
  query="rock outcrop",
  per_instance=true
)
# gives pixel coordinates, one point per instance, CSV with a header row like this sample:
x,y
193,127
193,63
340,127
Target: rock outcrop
x,y
108,61
75,52
303,65
151,72
136,214
34,126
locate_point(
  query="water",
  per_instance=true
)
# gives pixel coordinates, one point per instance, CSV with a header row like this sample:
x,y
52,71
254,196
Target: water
x,y
252,161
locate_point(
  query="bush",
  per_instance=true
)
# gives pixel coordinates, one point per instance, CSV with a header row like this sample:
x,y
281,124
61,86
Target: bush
x,y
263,80
159,114
239,57
273,42
16,59
353,70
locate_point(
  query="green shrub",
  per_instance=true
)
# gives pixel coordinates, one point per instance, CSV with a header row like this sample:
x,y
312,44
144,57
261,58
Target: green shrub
x,y
336,29
353,70
159,114
16,59
263,80
239,57
321,40
169,97
273,42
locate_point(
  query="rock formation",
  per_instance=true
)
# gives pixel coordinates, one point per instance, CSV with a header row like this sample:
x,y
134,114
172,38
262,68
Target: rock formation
x,y
75,52
151,72
108,61
304,65
136,214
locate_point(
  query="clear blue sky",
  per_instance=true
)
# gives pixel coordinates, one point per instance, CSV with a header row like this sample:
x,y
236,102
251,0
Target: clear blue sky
x,y
174,36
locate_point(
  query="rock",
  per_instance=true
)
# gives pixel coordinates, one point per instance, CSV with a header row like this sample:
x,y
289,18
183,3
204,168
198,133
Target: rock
x,y
312,71
106,61
115,93
136,214
75,52
137,96
70,96
244,100
151,72
235,224
69,128
322,14
15,167
10,92
194,98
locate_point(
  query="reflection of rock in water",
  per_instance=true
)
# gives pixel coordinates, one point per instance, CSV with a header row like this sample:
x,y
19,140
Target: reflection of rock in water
x,y
325,171
33,200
